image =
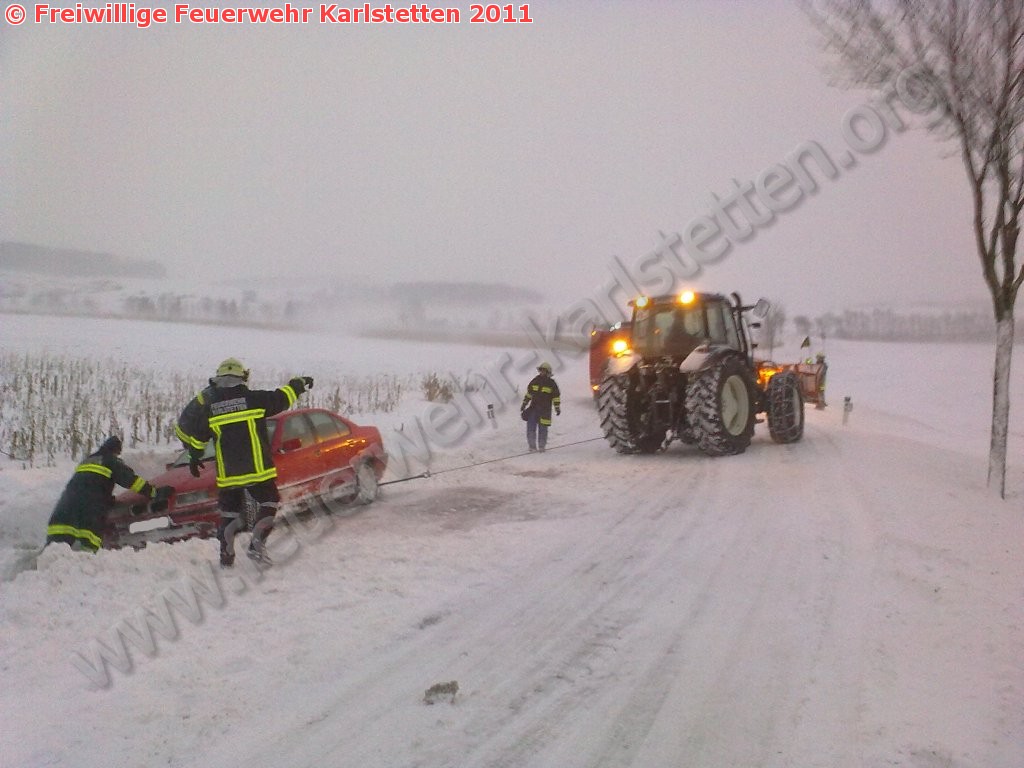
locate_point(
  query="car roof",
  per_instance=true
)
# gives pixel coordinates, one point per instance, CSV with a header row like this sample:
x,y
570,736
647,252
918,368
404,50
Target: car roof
x,y
294,411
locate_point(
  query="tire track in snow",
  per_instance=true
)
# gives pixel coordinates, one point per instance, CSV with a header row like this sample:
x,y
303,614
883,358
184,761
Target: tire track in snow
x,y
769,652
508,647
680,625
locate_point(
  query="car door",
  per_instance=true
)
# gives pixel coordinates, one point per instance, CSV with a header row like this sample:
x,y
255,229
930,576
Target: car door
x,y
339,445
297,457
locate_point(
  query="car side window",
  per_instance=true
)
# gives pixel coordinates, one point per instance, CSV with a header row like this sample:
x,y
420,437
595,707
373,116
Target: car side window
x,y
297,427
327,427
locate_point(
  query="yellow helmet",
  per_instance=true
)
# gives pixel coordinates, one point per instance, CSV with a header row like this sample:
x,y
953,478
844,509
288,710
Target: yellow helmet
x,y
233,367
545,367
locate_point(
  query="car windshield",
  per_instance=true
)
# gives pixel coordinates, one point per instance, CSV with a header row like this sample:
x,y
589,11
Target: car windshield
x,y
182,460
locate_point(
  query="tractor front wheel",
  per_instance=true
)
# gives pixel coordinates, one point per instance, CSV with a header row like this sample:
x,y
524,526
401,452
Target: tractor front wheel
x,y
785,408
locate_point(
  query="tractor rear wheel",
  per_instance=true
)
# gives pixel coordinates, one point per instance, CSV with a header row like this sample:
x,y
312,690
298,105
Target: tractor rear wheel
x,y
624,416
720,404
785,408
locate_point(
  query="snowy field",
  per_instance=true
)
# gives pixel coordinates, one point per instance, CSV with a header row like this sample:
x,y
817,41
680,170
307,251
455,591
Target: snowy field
x,y
851,601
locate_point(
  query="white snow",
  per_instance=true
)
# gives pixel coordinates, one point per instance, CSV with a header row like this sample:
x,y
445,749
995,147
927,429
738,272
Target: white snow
x,y
851,600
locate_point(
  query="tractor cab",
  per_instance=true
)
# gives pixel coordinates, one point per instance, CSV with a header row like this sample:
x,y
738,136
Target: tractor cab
x,y
674,326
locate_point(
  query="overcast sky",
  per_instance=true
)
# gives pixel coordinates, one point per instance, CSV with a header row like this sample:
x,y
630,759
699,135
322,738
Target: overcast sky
x,y
531,154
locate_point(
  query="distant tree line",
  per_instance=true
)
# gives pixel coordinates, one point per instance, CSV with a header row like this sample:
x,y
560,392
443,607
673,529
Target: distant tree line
x,y
889,325
169,306
249,310
41,259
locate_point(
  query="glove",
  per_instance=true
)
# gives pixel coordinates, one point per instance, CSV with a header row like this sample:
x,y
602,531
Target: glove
x,y
301,383
308,381
558,411
194,465
160,497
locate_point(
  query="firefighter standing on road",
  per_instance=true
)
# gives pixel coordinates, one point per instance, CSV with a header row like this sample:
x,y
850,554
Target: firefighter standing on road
x,y
78,518
234,416
541,396
821,381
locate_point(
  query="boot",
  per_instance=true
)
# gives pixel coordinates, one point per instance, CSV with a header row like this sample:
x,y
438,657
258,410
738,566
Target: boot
x,y
226,535
258,553
261,532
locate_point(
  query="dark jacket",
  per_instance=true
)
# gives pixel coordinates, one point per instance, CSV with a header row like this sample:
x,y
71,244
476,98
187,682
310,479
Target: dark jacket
x,y
79,515
541,394
235,416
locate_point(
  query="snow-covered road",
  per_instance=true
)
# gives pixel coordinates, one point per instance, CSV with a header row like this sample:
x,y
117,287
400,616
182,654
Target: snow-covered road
x,y
795,606
851,600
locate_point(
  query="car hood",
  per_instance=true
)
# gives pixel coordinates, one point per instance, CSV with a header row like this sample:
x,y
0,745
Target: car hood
x,y
177,477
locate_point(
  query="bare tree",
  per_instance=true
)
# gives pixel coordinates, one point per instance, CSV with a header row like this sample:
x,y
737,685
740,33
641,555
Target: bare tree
x,y
968,56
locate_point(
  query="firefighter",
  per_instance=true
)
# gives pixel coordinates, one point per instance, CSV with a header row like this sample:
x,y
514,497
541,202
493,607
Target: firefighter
x,y
820,359
234,416
78,518
541,396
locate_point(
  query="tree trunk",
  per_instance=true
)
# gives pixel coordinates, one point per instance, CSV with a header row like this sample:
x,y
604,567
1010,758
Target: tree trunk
x,y
1000,405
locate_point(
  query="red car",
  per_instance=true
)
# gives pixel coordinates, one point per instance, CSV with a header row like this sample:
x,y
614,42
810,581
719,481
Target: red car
x,y
319,455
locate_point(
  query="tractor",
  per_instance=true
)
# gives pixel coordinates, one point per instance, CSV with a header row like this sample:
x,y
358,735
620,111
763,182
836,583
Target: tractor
x,y
689,374
606,342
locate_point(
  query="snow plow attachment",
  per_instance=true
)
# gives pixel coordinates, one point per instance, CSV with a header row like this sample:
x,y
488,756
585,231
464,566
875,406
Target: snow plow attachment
x,y
811,376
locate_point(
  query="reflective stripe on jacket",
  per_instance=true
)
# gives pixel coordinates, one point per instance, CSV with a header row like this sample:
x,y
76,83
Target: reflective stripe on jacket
x,y
80,511
235,418
60,531
541,394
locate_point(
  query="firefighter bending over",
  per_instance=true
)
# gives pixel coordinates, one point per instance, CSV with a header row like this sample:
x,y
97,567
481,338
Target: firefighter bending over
x,y
80,513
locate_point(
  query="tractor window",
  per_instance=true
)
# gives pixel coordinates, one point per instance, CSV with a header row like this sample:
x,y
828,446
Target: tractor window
x,y
693,322
664,325
668,330
731,337
716,325
683,330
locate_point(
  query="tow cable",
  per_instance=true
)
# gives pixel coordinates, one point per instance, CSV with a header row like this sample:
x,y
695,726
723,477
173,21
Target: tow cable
x,y
428,473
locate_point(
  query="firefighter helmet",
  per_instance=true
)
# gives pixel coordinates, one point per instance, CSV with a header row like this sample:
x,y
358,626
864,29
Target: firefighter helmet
x,y
545,368
233,367
111,445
